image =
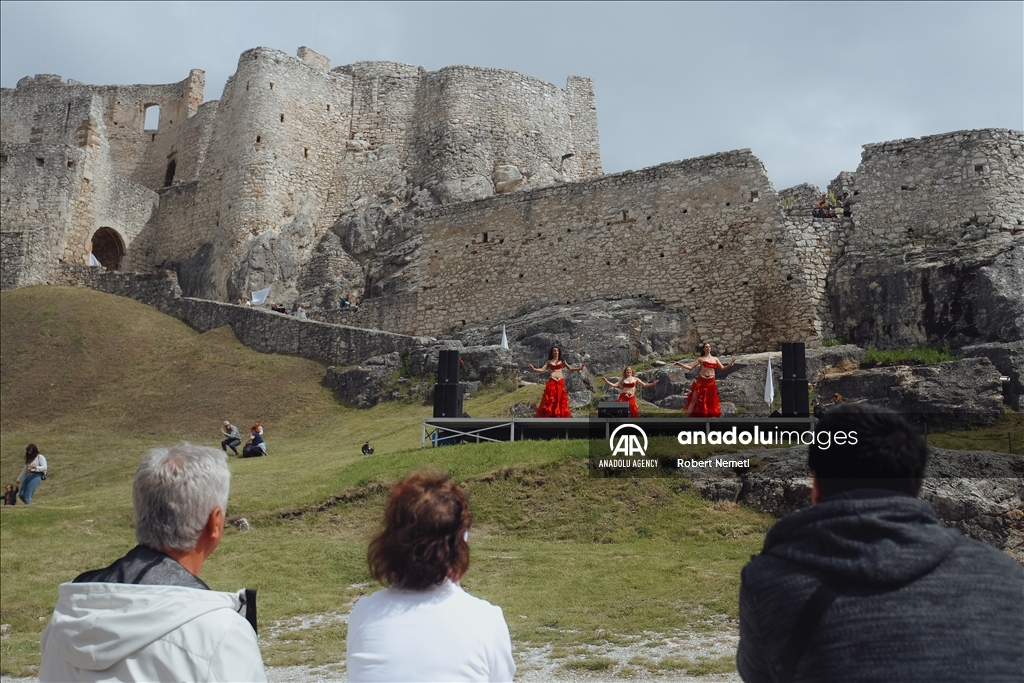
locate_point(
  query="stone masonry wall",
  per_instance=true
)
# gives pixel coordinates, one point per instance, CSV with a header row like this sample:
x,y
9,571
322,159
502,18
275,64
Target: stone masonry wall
x,y
262,330
705,235
940,190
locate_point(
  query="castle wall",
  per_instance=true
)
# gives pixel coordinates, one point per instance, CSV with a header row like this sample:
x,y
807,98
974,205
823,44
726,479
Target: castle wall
x,y
940,190
262,330
688,234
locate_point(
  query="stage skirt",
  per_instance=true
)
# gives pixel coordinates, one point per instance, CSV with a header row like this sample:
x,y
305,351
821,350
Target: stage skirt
x,y
702,401
624,397
555,402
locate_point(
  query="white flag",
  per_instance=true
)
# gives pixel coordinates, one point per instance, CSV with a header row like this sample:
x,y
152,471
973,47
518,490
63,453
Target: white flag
x,y
769,388
504,338
260,296
93,261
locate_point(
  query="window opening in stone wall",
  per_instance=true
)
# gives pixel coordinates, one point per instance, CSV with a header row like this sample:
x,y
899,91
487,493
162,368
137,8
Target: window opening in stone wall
x,y
169,176
3,159
978,168
754,197
328,107
152,121
282,118
259,139
40,161
108,248
271,86
71,163
305,152
247,85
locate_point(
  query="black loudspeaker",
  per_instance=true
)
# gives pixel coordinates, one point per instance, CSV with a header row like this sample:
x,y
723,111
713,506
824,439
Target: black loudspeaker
x,y
794,398
794,361
613,409
448,367
447,400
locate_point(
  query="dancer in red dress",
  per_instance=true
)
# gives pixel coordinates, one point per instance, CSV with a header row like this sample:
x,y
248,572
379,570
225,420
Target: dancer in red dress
x,y
555,402
628,385
702,401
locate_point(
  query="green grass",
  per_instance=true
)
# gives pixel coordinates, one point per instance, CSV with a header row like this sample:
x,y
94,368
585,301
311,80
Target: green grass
x,y
877,357
993,437
574,561
96,380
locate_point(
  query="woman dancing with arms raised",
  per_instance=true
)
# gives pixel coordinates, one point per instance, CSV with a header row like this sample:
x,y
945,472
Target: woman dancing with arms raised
x,y
702,401
628,385
555,402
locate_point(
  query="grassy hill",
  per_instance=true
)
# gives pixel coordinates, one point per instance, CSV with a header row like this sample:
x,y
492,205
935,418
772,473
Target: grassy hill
x,y
575,562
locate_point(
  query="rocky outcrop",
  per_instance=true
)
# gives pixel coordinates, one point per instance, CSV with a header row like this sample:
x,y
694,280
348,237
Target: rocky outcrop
x,y
929,296
951,395
606,335
979,492
1009,360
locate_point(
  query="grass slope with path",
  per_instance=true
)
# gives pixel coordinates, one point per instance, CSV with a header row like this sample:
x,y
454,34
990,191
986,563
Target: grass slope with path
x,y
577,563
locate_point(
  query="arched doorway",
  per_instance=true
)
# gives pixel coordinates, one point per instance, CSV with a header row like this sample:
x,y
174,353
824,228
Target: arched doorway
x,y
108,248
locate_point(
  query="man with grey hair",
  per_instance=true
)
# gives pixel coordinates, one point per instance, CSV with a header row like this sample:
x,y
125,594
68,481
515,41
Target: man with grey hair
x,y
149,616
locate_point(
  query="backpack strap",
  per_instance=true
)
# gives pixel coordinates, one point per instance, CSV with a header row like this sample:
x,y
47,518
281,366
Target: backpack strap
x,y
806,624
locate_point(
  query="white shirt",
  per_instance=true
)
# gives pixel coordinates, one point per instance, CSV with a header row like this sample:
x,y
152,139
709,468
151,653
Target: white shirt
x,y
439,634
37,465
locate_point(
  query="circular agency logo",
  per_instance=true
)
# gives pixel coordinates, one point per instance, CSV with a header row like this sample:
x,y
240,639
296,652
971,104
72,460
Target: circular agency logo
x,y
628,444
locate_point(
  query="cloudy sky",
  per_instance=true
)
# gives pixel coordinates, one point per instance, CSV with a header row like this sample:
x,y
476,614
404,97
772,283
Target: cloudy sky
x,y
802,84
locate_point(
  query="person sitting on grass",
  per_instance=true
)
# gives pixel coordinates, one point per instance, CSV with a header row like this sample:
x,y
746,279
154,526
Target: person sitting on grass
x,y
256,446
423,626
231,437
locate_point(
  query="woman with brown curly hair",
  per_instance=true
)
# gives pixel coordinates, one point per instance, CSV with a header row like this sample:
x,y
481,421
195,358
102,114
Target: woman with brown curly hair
x,y
423,626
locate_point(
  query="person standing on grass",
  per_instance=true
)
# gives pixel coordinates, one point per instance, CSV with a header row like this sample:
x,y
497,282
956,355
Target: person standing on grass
x,y
148,616
867,584
32,473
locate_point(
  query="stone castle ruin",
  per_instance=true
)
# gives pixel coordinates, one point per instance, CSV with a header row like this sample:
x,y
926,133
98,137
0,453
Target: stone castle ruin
x,y
468,196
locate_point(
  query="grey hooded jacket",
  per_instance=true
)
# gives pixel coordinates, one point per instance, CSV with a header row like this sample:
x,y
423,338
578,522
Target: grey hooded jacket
x,y
916,601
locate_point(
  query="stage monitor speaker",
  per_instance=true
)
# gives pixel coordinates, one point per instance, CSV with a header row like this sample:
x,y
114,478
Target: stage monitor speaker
x,y
448,367
794,361
794,398
613,409
447,400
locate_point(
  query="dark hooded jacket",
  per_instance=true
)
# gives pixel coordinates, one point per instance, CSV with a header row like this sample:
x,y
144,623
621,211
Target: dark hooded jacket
x,y
916,601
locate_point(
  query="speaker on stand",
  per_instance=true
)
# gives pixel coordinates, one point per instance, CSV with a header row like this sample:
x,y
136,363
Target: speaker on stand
x,y
794,380
447,392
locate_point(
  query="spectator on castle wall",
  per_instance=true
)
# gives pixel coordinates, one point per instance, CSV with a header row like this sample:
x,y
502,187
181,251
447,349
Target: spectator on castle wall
x,y
847,204
868,584
300,311
345,302
278,308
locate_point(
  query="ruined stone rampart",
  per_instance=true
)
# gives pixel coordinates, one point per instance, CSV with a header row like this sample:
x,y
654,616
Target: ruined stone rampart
x,y
258,329
942,190
704,235
467,195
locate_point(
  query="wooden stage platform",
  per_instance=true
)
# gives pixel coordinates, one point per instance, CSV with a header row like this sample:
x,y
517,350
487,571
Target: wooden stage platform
x,y
442,431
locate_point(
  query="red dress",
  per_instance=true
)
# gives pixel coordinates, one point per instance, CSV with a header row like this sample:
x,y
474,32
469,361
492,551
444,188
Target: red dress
x,y
702,400
555,402
629,398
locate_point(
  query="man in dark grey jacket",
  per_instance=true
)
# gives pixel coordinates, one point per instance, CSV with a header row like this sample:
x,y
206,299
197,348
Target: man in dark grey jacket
x,y
867,584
